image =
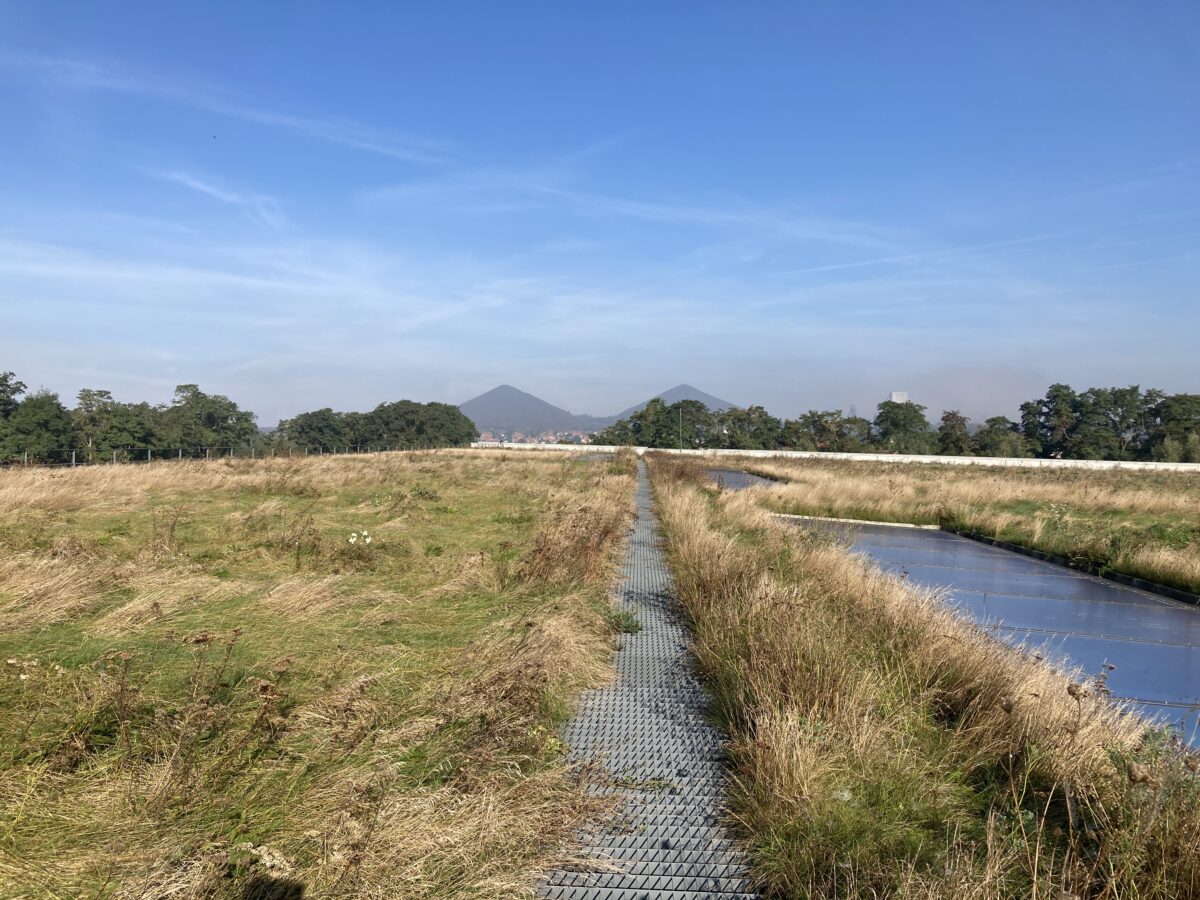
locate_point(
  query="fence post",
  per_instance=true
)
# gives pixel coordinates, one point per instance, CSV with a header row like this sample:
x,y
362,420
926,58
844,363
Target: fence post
x,y
114,457
207,453
25,458
72,457
148,452
180,453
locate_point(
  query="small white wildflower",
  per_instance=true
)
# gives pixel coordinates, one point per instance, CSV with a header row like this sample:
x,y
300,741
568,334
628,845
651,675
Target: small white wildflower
x,y
367,539
354,538
24,675
842,795
12,662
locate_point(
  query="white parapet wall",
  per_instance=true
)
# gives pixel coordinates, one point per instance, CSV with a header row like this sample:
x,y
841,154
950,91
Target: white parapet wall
x,y
1010,462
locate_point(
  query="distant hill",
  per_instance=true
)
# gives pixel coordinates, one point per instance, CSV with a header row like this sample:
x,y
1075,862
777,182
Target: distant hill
x,y
505,408
681,392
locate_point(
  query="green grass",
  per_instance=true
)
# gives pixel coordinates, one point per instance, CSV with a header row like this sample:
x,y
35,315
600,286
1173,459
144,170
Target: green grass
x,y
282,703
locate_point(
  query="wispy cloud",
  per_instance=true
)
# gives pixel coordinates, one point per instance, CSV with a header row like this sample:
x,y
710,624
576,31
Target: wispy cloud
x,y
506,190
928,255
83,74
259,206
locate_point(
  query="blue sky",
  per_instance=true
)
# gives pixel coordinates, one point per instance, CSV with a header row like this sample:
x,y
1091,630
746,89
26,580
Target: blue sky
x,y
799,205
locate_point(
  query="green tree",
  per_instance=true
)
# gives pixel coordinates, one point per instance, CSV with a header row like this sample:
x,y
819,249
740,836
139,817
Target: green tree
x,y
92,409
389,425
695,425
447,425
196,420
357,427
794,436
826,429
1095,432
903,428
408,424
953,439
319,429
1191,448
1060,413
1031,426
1173,419
41,426
1001,437
10,393
103,425
1132,413
752,428
691,424
856,435
651,425
619,434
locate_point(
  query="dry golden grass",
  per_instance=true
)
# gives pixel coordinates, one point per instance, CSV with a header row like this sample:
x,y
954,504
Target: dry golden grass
x,y
214,693
898,487
1139,523
106,488
160,594
39,590
301,596
883,747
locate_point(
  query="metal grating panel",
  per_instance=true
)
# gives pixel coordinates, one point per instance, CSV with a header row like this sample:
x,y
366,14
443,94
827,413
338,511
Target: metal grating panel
x,y
650,745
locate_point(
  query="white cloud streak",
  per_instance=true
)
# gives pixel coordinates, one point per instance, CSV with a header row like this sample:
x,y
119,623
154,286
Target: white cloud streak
x,y
260,207
89,75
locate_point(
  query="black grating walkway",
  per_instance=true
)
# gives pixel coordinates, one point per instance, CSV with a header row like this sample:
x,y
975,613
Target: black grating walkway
x,y
651,747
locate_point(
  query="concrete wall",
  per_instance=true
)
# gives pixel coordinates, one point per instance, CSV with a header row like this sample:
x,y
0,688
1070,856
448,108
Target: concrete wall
x,y
866,457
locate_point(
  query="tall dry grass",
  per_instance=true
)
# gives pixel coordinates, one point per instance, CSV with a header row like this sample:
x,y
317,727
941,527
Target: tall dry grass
x,y
883,747
899,487
1139,523
117,487
212,693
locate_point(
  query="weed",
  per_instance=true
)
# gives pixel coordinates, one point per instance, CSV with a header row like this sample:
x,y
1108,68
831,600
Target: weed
x,y
623,621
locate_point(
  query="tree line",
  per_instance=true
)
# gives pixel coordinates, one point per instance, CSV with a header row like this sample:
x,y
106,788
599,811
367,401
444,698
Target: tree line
x,y
1099,423
37,427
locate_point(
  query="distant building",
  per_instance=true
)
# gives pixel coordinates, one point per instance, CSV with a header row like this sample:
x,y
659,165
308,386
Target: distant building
x,y
899,397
